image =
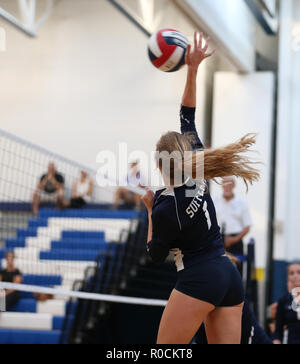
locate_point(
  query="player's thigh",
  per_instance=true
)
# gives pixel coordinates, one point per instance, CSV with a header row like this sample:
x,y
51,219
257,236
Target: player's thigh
x,y
224,325
182,318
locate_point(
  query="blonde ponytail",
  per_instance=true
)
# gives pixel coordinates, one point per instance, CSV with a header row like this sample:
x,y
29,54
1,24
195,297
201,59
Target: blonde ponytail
x,y
214,163
226,161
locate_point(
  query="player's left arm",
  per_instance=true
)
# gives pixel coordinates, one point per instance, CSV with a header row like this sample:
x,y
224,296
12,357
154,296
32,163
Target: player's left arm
x,y
160,235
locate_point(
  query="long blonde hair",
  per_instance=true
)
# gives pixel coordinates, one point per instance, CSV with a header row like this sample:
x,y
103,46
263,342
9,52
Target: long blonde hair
x,y
215,163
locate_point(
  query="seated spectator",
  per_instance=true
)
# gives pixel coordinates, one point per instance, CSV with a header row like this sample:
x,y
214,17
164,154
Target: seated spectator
x,y
49,189
287,318
11,275
133,179
82,191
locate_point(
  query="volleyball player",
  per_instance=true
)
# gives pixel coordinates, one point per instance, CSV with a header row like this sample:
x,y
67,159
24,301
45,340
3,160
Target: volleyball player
x,y
209,288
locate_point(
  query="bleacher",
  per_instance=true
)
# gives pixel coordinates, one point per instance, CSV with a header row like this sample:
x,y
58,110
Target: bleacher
x,y
58,249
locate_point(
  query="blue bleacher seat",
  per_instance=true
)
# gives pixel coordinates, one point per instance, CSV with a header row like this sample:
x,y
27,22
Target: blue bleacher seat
x,y
33,223
70,255
3,253
15,243
42,280
28,337
81,244
28,305
88,214
16,206
25,233
74,234
27,206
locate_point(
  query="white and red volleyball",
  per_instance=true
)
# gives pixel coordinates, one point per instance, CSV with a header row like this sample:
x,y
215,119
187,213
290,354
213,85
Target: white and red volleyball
x,y
167,49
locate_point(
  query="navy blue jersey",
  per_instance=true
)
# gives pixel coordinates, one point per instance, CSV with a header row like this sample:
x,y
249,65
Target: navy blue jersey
x,y
188,127
287,321
184,218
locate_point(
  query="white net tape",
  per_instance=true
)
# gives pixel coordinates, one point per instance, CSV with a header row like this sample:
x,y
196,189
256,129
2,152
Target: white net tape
x,y
83,295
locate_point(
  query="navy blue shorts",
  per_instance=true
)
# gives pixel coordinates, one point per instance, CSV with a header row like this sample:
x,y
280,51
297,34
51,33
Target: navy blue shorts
x,y
216,281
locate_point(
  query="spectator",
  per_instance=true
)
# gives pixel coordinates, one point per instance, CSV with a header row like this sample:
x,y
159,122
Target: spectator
x,y
134,179
11,275
233,216
82,191
287,318
49,189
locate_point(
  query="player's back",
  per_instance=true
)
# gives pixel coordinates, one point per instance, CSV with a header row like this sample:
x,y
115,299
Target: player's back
x,y
187,216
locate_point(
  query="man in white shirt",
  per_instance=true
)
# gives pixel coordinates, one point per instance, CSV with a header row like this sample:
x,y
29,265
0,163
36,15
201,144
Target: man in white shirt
x,y
233,217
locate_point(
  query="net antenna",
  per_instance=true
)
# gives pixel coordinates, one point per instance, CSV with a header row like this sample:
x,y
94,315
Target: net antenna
x,y
31,20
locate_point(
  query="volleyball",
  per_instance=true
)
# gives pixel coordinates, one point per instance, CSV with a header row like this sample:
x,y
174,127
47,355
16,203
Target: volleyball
x,y
167,49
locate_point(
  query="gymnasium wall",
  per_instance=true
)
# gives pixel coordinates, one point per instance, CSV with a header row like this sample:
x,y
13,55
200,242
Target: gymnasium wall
x,y
287,216
232,26
245,104
85,84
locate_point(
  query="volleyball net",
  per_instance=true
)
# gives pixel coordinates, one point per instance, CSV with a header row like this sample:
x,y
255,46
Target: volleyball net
x,y
89,257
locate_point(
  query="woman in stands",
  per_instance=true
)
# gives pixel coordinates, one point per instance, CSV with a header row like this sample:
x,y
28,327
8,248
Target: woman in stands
x,y
288,314
82,191
11,275
182,219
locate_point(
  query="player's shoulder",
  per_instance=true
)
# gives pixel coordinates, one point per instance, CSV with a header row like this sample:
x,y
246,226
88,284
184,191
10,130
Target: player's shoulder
x,y
164,209
163,201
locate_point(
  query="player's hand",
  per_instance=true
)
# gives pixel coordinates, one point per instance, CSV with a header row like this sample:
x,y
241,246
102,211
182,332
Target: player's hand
x,y
196,56
148,199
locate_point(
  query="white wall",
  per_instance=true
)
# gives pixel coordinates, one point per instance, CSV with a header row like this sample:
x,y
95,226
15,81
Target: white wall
x,y
245,104
231,25
86,84
287,214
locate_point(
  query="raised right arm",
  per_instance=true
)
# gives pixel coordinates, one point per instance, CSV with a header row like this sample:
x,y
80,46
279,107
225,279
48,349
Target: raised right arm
x,y
187,115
